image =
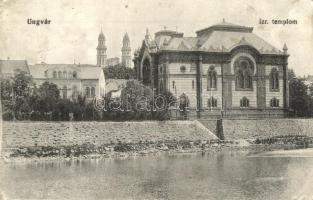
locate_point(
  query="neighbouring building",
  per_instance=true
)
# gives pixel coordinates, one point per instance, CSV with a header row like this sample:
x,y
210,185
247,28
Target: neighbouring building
x,y
225,70
8,68
113,61
114,87
74,79
71,79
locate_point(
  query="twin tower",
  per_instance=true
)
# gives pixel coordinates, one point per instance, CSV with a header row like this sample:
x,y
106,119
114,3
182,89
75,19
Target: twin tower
x,y
101,51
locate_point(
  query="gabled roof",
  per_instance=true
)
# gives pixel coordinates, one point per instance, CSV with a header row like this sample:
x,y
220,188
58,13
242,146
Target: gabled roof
x,y
11,66
115,84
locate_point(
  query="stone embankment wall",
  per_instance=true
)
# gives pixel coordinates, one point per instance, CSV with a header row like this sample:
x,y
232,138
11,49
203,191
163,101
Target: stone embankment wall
x,y
261,128
28,134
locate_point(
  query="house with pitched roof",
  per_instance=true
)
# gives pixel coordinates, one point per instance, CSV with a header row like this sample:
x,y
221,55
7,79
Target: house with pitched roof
x,y
71,79
8,68
226,70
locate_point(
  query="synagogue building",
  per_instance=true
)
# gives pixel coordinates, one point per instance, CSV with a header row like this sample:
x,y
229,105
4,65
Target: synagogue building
x,y
225,70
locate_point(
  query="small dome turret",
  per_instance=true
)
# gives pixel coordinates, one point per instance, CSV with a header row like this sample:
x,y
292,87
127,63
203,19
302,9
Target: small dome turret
x,y
126,38
101,36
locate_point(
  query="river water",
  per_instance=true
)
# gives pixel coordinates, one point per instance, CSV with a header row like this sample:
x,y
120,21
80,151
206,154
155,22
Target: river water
x,y
228,175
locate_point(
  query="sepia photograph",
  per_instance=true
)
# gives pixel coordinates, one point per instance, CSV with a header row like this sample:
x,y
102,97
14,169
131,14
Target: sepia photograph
x,y
156,99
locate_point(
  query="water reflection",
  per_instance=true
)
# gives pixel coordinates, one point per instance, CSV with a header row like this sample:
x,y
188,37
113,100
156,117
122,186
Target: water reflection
x,y
190,176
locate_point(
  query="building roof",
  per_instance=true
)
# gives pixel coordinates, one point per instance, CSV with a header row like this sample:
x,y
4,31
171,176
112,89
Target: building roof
x,y
222,37
225,26
11,66
85,71
113,85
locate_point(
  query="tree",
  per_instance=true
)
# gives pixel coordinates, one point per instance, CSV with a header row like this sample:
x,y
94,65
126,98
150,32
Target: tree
x,y
63,108
299,99
6,90
137,97
49,96
162,103
291,74
138,102
119,72
15,95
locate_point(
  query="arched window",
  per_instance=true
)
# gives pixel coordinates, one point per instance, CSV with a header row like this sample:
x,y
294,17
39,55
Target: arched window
x,y
173,84
64,92
244,102
59,74
146,72
64,74
240,79
74,74
87,92
212,102
54,74
274,103
93,92
193,84
244,69
274,79
211,80
247,80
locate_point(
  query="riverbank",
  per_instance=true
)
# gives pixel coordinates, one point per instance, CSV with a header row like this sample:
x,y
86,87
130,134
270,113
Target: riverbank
x,y
42,141
124,150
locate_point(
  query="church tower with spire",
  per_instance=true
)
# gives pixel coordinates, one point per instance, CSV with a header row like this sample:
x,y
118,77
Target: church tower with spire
x,y
126,51
101,51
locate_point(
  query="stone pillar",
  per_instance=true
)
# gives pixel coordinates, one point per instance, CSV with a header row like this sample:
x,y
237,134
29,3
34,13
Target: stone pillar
x,y
166,76
227,79
261,87
152,72
285,86
219,129
199,85
140,65
285,80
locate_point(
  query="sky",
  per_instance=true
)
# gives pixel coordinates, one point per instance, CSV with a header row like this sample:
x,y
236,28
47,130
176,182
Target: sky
x,y
76,24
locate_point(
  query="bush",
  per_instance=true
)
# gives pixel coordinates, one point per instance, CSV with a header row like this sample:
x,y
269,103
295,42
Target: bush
x,y
7,116
123,148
